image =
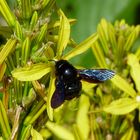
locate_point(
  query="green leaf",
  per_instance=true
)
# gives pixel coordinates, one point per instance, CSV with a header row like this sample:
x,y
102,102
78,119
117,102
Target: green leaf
x,y
122,106
32,72
11,43
36,135
82,119
50,93
59,131
123,85
82,47
64,33
135,69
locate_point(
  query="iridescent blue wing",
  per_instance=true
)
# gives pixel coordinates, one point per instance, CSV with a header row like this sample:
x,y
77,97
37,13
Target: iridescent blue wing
x,y
58,96
95,75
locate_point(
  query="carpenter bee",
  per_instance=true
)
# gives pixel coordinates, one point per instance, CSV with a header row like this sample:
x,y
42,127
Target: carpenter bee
x,y
68,81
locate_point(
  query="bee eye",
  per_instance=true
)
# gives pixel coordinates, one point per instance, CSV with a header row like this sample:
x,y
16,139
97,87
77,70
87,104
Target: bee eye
x,y
69,74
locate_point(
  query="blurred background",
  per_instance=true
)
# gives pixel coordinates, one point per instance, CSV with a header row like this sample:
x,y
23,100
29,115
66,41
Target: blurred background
x,y
89,13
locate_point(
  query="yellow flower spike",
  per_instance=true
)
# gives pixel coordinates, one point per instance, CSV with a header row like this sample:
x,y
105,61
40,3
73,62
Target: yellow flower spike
x,y
42,33
25,50
7,13
64,33
44,3
103,34
11,43
18,28
49,96
99,55
131,38
112,36
82,47
26,9
34,20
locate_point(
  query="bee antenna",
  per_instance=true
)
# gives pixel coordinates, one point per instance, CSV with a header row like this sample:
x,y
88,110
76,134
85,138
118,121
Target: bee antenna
x,y
52,60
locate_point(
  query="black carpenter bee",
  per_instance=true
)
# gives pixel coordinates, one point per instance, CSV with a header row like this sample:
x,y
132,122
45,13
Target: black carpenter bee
x,y
68,81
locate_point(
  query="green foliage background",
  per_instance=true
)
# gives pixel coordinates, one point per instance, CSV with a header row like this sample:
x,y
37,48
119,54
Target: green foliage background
x,y
89,13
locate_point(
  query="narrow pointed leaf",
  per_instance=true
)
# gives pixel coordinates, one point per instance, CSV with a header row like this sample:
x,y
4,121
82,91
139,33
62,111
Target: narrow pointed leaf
x,y
135,69
82,119
122,106
50,93
123,85
31,73
64,33
82,47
